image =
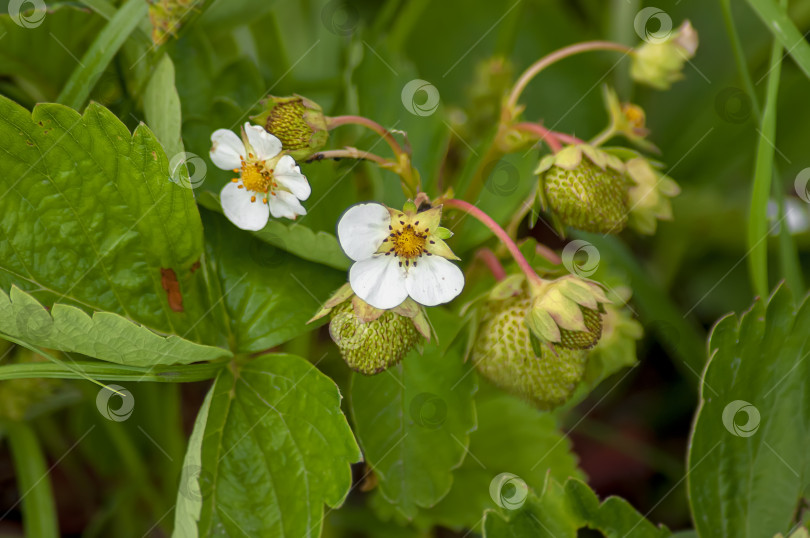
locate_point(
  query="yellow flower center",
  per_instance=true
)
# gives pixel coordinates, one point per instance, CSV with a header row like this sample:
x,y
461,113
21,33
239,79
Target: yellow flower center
x,y
406,242
256,177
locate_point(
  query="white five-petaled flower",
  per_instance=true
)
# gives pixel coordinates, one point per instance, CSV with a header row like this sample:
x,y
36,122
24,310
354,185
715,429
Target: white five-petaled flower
x,y
269,183
398,254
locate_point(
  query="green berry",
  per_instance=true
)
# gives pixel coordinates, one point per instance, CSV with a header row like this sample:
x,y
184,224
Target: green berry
x,y
373,346
583,339
504,355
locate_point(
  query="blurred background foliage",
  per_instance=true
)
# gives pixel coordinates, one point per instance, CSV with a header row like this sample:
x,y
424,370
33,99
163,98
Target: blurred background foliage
x,y
354,57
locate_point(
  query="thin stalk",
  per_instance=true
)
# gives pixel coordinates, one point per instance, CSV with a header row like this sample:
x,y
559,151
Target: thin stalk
x,y
499,232
492,262
350,153
33,482
549,137
763,173
554,57
337,121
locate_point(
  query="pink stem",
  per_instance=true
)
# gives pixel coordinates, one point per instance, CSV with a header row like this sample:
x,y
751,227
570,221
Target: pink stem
x,y
548,254
499,232
547,136
556,56
337,121
492,262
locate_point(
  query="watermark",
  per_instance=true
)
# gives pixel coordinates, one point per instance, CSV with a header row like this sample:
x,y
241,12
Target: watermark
x,y
508,491
653,25
104,403
340,17
800,184
27,13
580,258
34,323
268,254
195,483
730,413
503,178
192,175
420,97
733,105
428,410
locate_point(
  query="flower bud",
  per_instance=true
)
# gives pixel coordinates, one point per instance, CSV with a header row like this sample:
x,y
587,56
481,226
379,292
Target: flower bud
x,y
503,353
584,188
567,312
627,119
659,63
649,195
372,340
298,122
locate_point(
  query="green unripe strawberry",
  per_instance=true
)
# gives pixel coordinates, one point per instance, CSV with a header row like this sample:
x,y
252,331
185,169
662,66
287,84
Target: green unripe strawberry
x,y
587,197
583,339
373,346
503,354
297,122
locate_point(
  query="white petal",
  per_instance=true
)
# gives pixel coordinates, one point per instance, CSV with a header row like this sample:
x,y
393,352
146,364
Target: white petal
x,y
286,205
379,281
241,211
264,144
434,280
362,228
226,149
289,175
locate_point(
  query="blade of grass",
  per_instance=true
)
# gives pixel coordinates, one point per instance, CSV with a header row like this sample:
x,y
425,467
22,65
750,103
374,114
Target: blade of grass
x,y
111,372
763,173
101,52
788,253
776,19
33,483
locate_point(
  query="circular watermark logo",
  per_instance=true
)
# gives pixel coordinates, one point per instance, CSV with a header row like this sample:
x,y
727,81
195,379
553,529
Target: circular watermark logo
x,y
653,25
420,97
195,483
503,178
800,184
340,17
751,424
580,258
27,13
733,105
193,175
508,491
104,403
34,323
428,410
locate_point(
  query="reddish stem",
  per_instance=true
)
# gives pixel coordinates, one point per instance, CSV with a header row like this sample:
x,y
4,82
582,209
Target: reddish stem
x,y
547,136
492,262
548,254
337,121
499,232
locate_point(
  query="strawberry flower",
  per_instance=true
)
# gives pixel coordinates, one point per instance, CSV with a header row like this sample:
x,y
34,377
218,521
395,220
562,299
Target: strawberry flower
x,y
269,182
399,254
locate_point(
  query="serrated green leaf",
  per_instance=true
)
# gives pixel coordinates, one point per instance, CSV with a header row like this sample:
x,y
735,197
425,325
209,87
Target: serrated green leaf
x,y
414,420
748,452
106,336
298,239
90,218
269,294
561,510
276,448
511,437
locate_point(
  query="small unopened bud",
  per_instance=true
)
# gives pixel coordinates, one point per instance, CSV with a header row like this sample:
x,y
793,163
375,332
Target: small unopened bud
x,y
628,120
298,122
660,63
649,195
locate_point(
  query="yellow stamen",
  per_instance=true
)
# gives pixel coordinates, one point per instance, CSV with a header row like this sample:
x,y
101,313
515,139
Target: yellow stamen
x,y
407,243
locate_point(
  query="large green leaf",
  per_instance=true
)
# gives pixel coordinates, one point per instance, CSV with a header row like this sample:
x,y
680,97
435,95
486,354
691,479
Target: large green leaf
x,y
413,421
559,511
269,294
295,238
748,459
512,437
90,218
106,336
276,448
